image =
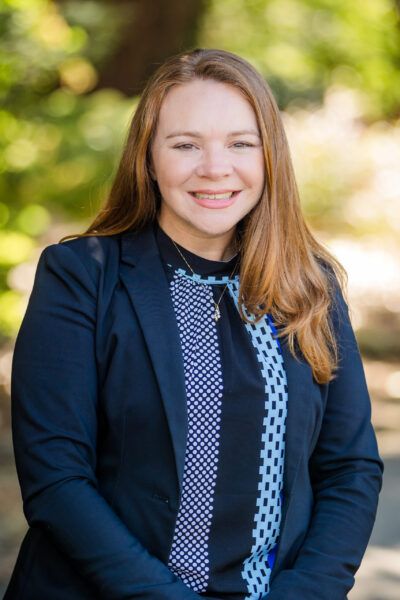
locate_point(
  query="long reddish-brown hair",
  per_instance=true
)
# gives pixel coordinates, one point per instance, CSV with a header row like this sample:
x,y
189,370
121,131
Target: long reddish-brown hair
x,y
284,270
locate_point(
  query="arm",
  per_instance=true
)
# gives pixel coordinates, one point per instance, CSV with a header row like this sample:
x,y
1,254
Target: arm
x,y
346,475
54,419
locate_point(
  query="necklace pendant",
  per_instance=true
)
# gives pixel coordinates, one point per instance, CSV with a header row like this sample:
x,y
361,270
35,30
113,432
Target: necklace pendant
x,y
217,314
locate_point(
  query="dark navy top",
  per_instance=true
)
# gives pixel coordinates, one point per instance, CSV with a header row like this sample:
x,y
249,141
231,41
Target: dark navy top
x,y
229,516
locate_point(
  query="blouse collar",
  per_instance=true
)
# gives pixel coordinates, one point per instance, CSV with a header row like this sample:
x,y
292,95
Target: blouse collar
x,y
200,265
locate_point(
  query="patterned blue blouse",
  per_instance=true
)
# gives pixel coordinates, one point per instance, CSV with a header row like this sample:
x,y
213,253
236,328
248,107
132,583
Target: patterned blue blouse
x,y
229,516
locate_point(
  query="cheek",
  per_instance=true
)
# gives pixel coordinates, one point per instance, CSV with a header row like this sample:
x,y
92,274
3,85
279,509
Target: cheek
x,y
253,172
173,171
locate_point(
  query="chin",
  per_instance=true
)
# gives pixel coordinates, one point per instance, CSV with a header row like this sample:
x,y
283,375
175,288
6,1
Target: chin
x,y
215,228
218,223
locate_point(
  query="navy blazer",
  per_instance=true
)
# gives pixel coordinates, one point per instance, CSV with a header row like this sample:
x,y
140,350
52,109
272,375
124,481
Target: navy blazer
x,y
99,429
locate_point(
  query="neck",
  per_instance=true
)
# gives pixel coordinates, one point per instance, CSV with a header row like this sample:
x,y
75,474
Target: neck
x,y
222,248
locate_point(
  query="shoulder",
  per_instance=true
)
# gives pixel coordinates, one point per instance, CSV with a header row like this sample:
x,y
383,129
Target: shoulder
x,y
97,248
92,253
336,284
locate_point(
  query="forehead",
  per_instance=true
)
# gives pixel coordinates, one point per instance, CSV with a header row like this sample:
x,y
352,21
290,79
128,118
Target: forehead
x,y
203,103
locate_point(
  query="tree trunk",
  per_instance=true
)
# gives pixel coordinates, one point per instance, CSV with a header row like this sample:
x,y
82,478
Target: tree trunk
x,y
154,30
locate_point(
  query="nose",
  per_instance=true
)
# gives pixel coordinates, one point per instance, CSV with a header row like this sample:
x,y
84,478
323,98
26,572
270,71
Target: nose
x,y
214,164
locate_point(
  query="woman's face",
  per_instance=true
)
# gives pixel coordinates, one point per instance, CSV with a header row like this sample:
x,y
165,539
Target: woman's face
x,y
207,142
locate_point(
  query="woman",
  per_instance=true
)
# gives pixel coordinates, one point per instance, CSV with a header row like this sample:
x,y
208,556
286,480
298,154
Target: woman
x,y
190,412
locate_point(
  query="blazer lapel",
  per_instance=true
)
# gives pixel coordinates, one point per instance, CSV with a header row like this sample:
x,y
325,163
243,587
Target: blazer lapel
x,y
148,290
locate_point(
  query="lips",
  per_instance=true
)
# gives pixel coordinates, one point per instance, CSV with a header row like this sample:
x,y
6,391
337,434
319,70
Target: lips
x,y
214,195
214,201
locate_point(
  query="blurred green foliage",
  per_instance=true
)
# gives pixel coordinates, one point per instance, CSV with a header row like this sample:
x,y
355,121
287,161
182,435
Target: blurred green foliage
x,y
60,139
58,142
304,46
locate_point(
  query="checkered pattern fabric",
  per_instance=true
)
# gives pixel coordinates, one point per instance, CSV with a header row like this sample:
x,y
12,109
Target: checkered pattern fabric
x,y
193,304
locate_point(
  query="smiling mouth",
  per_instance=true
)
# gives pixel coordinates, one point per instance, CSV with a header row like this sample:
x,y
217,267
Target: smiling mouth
x,y
222,196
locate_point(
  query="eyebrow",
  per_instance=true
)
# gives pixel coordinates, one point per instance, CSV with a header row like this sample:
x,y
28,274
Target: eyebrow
x,y
197,134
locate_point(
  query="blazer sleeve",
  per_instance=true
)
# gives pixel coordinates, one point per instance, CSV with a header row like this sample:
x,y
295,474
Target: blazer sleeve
x,y
346,475
54,421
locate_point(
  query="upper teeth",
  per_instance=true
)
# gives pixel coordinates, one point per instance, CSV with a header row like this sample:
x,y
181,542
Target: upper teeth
x,y
214,196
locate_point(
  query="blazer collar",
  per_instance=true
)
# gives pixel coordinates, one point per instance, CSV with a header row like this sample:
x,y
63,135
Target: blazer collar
x,y
148,289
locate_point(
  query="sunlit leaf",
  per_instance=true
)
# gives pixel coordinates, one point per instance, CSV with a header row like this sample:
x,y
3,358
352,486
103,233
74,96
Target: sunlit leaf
x,y
33,219
12,308
14,247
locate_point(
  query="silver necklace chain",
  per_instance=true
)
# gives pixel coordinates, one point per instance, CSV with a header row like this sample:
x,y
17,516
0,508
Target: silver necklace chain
x,y
217,312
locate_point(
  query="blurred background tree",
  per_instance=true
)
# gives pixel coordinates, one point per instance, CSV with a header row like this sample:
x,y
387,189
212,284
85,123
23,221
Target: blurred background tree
x,y
71,72
70,76
303,47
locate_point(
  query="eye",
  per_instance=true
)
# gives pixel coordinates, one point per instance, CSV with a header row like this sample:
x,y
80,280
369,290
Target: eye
x,y
243,145
184,147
